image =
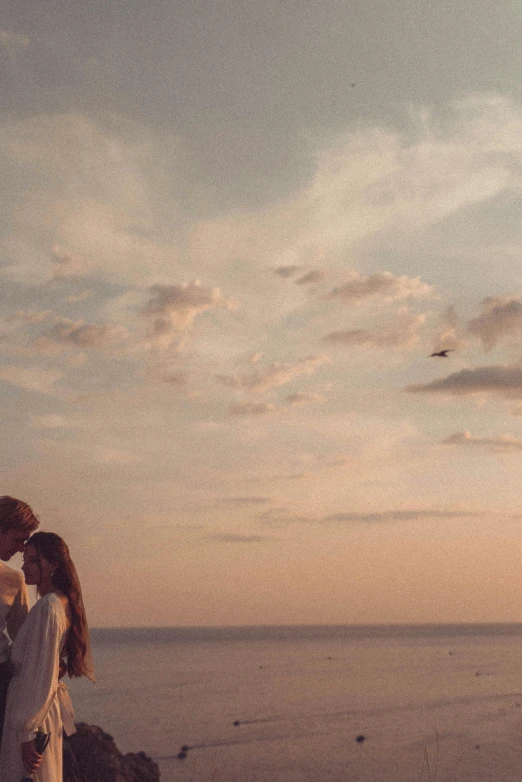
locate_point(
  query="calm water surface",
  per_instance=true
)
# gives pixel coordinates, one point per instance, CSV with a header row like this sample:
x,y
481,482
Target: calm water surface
x,y
301,695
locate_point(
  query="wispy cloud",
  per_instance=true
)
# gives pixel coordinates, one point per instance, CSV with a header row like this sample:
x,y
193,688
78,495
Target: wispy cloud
x,y
247,500
311,464
330,461
252,408
311,277
228,537
300,398
282,517
276,375
175,378
30,378
65,264
400,515
371,180
501,442
403,331
286,271
74,298
382,286
173,309
501,316
79,334
30,316
94,199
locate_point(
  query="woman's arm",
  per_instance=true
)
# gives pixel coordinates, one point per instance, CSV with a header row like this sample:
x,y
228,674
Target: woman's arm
x,y
38,677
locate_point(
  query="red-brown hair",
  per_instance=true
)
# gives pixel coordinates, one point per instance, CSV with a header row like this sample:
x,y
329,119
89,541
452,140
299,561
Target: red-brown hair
x,y
65,579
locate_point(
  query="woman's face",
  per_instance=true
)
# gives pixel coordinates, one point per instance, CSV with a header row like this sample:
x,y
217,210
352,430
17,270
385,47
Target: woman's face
x,y
37,570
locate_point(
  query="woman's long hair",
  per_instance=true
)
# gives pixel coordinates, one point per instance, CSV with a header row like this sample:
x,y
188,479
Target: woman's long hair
x,y
65,579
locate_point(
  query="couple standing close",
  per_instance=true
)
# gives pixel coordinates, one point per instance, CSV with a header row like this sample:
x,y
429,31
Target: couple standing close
x,y
44,643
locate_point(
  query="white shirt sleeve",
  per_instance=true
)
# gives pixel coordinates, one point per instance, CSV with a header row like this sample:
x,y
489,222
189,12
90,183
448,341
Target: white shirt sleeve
x,y
39,668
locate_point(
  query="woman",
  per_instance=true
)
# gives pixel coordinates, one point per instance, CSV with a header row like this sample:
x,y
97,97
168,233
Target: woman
x,y
55,631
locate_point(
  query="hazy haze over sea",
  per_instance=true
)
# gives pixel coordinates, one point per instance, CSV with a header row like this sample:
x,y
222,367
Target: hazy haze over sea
x,y
444,695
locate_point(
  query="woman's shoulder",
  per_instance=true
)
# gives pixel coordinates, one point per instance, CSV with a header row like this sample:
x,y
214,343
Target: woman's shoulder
x,y
50,597
48,604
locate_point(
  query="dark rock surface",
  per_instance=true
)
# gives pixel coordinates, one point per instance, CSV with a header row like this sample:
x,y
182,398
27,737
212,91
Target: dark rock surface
x,y
99,760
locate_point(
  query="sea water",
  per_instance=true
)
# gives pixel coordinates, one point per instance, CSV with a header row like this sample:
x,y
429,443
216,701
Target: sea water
x,y
299,704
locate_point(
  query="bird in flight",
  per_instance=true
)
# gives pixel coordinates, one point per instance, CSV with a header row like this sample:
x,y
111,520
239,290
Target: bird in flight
x,y
442,353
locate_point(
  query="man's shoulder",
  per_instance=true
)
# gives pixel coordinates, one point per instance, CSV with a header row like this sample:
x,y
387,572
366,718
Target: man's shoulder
x,y
10,577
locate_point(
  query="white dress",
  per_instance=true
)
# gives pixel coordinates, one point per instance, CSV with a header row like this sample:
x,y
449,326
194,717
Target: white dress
x,y
36,698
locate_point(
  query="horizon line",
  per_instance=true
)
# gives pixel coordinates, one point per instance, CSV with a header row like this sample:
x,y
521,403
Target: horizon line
x,y
297,625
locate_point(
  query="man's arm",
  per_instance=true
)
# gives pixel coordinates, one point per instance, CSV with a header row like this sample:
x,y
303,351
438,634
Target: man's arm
x,y
18,611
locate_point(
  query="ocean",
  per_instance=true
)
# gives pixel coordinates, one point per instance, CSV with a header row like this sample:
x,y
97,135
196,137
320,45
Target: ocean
x,y
430,703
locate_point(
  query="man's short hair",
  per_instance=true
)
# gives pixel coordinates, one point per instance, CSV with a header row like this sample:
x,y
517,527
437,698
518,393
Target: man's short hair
x,y
17,514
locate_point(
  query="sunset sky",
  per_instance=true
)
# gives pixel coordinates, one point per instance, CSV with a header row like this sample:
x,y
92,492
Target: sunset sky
x,y
231,235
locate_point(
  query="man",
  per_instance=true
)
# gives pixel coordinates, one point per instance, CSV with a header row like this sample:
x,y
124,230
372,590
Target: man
x,y
17,521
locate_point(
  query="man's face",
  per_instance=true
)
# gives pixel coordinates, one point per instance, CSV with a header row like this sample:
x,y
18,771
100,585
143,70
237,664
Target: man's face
x,y
11,542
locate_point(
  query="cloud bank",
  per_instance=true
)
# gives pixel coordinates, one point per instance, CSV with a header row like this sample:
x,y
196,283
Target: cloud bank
x,y
501,380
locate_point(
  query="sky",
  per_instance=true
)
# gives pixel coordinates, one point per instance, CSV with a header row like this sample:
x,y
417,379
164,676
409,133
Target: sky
x,y
231,236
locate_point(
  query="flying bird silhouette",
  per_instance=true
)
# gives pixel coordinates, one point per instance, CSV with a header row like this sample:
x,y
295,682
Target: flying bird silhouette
x,y
442,353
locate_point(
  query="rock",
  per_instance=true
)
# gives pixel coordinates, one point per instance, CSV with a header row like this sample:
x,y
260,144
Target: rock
x,y
360,739
99,760
138,767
